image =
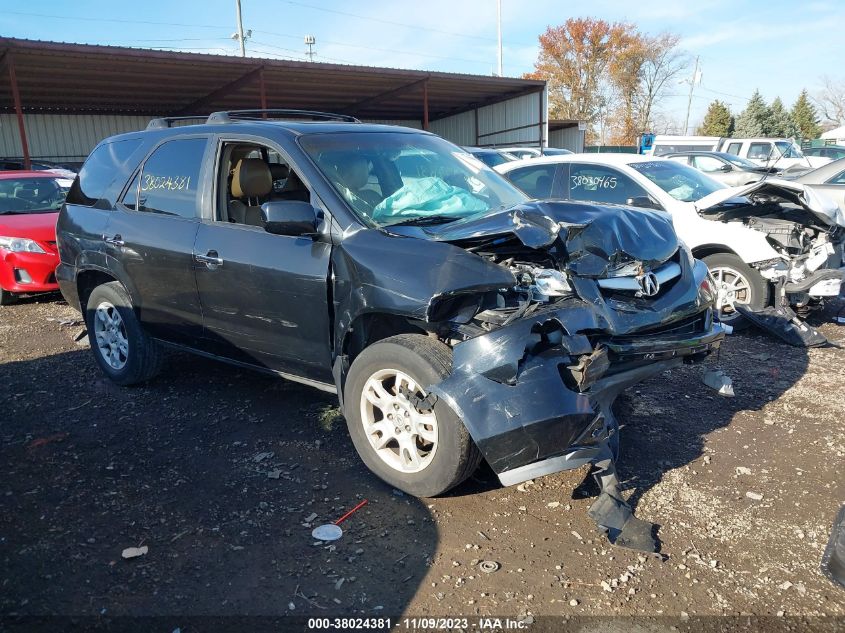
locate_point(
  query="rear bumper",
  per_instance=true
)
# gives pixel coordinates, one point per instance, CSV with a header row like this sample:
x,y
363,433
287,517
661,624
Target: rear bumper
x,y
28,272
535,408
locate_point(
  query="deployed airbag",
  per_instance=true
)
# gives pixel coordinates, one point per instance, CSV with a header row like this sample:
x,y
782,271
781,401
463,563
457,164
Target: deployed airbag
x,y
432,195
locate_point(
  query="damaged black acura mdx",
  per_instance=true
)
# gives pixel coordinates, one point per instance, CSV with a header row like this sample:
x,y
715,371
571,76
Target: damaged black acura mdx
x,y
455,319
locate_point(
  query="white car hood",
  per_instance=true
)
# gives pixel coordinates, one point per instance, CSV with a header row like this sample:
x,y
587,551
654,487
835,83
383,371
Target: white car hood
x,y
812,200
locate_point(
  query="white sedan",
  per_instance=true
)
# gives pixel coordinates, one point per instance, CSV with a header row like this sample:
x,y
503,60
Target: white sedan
x,y
750,244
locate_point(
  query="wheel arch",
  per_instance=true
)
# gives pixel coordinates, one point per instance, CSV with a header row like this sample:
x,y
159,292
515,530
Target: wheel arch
x,y
704,250
90,278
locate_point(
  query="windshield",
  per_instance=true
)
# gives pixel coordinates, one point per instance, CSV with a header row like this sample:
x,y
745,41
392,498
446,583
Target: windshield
x,y
679,181
788,150
740,162
391,177
491,159
30,195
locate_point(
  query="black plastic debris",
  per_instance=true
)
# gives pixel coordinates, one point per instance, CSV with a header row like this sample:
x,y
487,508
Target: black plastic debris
x,y
833,561
785,324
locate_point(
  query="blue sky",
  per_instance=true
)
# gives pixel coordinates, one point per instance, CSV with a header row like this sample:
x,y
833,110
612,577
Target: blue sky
x,y
777,46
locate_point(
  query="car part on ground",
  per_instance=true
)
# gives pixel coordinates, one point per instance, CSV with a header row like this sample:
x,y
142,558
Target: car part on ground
x,y
833,560
454,318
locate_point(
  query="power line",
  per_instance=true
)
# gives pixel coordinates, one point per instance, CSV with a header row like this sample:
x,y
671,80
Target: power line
x,y
390,22
116,20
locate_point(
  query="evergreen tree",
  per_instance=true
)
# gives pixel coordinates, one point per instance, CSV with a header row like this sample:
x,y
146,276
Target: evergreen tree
x,y
782,124
718,121
755,120
805,117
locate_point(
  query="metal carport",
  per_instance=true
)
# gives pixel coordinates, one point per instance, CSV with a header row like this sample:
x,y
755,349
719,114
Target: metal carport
x,y
57,99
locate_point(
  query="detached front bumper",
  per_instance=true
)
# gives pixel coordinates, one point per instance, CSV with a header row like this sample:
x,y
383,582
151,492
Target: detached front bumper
x,y
28,272
537,401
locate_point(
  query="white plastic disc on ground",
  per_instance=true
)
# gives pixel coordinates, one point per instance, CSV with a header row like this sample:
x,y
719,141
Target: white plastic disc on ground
x,y
328,532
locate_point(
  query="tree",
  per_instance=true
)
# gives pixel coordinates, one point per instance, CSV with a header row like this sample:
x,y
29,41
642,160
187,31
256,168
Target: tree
x,y
805,116
663,63
755,120
718,121
831,100
608,74
780,121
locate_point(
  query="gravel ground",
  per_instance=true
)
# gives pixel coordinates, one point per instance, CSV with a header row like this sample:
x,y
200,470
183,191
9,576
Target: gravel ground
x,y
222,473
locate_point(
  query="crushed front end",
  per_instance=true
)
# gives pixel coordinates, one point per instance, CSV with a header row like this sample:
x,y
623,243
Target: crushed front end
x,y
606,297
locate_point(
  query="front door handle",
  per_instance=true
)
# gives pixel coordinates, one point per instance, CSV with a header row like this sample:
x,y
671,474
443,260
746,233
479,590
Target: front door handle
x,y
211,260
116,240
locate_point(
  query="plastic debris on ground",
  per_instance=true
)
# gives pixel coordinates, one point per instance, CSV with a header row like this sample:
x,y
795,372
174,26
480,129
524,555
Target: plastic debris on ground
x,y
333,531
720,382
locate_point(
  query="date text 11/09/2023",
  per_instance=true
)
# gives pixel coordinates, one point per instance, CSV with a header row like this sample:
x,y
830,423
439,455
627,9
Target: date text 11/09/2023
x,y
419,624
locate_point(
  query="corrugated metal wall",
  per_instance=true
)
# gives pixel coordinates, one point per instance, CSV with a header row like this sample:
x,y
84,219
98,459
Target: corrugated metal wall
x,y
71,137
63,137
570,138
512,122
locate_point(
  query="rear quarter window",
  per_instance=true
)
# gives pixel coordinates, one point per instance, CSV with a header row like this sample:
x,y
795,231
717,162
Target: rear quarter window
x,y
106,162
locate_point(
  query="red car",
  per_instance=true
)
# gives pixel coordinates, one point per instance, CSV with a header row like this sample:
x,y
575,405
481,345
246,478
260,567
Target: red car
x,y
29,206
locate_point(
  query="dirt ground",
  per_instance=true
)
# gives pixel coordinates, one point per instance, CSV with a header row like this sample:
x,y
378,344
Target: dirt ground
x,y
222,474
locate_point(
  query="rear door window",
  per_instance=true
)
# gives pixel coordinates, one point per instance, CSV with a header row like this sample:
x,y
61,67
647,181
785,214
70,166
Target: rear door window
x,y
597,183
536,180
734,148
169,179
99,171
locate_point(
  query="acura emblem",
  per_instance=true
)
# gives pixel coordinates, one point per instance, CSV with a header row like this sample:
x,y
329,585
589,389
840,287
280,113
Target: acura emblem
x,y
649,284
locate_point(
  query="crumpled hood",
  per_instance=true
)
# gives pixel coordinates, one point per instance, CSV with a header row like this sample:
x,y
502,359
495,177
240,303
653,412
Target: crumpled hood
x,y
806,197
595,237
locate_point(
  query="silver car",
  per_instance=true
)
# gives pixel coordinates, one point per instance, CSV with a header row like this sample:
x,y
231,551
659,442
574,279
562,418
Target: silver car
x,y
828,179
726,168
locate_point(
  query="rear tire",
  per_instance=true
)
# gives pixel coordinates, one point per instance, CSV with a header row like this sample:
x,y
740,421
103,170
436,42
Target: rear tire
x,y
745,285
387,430
125,353
7,298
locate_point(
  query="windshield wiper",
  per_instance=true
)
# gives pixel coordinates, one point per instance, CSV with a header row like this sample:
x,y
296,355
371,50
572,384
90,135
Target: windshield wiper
x,y
11,212
422,220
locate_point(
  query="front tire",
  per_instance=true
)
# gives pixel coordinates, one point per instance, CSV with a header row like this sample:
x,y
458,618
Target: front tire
x,y
125,353
740,284
423,454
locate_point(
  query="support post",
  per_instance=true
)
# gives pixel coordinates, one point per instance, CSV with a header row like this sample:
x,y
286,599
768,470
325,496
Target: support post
x,y
16,97
476,126
540,122
425,105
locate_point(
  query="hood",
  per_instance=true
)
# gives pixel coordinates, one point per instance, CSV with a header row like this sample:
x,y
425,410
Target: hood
x,y
595,238
40,227
812,200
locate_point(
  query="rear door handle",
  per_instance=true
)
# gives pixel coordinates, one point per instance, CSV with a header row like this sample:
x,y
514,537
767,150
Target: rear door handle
x,y
211,259
116,240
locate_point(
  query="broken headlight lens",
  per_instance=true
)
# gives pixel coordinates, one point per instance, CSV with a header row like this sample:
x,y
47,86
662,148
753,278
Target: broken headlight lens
x,y
626,269
20,245
551,283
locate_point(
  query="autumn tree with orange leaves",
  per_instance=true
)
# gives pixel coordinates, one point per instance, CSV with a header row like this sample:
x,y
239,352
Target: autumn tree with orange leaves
x,y
607,74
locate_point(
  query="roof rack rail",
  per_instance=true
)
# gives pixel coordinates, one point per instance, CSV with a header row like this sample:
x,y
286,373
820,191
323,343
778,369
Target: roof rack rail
x,y
165,122
230,115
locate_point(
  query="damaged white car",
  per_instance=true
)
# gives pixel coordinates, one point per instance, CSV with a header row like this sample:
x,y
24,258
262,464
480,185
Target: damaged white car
x,y
770,244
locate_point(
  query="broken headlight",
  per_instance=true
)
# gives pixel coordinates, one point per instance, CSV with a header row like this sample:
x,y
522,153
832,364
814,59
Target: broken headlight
x,y
551,283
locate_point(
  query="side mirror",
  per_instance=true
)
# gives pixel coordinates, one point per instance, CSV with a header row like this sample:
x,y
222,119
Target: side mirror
x,y
726,168
643,202
289,217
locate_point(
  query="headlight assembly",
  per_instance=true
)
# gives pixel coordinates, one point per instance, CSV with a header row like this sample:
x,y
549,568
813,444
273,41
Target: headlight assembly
x,y
20,245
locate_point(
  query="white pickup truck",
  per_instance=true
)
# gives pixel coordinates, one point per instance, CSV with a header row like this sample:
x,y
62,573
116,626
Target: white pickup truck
x,y
778,154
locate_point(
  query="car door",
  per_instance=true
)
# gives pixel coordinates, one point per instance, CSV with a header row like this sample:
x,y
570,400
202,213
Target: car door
x,y
539,181
264,297
150,239
599,183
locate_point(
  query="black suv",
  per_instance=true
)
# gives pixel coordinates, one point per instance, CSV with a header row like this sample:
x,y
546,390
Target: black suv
x,y
454,318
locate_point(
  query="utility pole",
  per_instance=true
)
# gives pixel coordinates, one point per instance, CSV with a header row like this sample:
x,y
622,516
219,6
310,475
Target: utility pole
x,y
240,33
499,29
696,77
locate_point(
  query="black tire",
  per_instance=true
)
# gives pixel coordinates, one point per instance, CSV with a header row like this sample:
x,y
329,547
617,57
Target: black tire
x,y
7,298
427,362
143,357
758,287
